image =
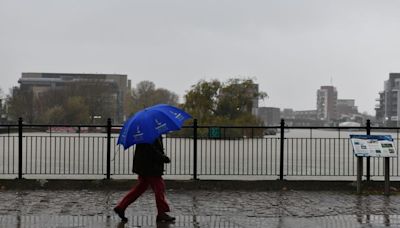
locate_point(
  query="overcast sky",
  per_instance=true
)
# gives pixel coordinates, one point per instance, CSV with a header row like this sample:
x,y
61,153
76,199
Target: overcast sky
x,y
289,47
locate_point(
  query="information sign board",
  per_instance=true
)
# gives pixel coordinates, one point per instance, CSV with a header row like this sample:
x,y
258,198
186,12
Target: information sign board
x,y
214,132
373,146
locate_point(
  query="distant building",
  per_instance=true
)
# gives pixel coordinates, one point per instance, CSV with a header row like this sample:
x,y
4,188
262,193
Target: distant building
x,y
269,115
306,118
287,113
254,89
327,103
388,109
380,108
329,110
41,82
305,115
346,109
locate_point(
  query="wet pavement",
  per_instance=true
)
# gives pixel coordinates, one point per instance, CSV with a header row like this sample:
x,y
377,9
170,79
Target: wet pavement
x,y
200,208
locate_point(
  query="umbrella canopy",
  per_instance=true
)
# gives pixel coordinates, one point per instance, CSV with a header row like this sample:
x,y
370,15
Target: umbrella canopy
x,y
148,124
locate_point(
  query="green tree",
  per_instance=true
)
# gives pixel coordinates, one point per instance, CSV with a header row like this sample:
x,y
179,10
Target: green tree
x,y
78,101
98,95
21,103
50,106
202,100
53,115
76,111
73,111
229,103
237,97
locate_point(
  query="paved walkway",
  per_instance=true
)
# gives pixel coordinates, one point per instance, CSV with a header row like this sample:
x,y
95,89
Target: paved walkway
x,y
200,208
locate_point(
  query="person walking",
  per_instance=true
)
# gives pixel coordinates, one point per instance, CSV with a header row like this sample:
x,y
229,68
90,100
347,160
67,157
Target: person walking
x,y
148,163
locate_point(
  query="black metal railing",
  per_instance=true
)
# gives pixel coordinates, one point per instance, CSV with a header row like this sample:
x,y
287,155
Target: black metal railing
x,y
46,151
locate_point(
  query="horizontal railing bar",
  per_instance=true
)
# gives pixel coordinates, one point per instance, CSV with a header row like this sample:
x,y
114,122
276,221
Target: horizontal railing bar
x,y
211,126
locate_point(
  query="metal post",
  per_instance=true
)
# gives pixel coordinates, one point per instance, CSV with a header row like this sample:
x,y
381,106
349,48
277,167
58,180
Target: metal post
x,y
359,173
387,176
108,175
368,128
20,148
195,149
281,149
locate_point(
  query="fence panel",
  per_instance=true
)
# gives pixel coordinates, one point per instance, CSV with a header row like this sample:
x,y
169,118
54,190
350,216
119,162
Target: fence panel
x,y
233,156
319,157
64,154
9,154
234,151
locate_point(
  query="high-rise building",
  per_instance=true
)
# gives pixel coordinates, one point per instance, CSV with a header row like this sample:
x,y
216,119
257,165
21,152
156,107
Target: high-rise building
x,y
118,85
327,103
388,109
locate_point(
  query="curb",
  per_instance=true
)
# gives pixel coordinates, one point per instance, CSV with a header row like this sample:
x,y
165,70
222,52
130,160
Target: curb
x,y
258,185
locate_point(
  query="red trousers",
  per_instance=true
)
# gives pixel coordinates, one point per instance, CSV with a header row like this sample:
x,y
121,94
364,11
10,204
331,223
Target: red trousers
x,y
158,186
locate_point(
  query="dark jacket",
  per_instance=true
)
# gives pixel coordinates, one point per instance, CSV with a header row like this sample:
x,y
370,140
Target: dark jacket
x,y
149,159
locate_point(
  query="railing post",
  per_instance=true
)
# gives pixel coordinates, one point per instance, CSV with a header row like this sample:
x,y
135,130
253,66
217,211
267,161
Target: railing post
x,y
20,148
108,175
387,175
281,149
368,128
195,149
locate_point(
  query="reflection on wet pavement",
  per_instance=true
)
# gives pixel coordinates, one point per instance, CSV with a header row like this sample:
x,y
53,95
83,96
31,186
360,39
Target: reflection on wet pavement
x,y
278,209
201,221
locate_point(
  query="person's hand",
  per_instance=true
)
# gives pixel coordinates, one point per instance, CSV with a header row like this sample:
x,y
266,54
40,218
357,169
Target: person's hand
x,y
166,159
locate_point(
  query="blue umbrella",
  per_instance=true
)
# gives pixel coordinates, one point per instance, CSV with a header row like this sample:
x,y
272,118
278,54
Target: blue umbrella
x,y
148,124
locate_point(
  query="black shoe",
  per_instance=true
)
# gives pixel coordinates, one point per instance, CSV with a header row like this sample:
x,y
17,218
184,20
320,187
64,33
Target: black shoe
x,y
121,214
165,218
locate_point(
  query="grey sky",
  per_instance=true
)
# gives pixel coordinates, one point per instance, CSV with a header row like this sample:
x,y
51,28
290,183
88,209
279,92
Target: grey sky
x,y
290,47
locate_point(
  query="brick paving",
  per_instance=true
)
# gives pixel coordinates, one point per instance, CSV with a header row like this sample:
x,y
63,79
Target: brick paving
x,y
200,208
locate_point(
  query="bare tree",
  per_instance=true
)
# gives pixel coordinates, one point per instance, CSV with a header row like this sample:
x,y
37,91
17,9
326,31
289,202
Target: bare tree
x,y
146,94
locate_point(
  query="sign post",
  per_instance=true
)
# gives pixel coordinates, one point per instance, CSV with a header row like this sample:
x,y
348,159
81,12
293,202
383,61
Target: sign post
x,y
359,173
387,176
373,146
